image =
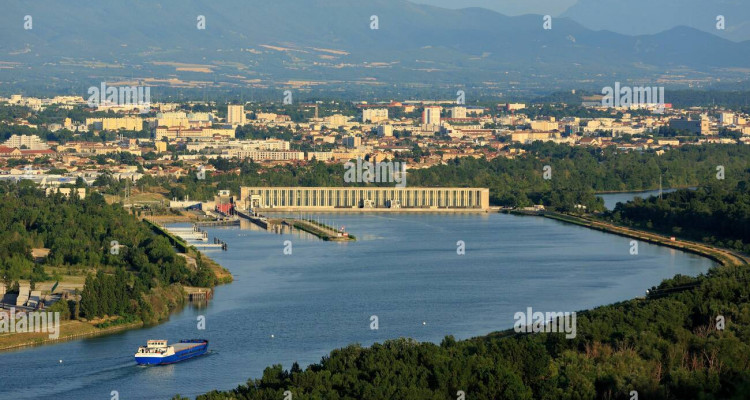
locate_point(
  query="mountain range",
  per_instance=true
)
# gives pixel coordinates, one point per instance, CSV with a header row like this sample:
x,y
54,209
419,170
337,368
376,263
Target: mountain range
x,y
331,43
629,17
638,17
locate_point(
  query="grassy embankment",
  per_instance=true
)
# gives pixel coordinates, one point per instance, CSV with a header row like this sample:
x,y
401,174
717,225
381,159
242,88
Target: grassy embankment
x,y
322,231
70,329
722,256
222,274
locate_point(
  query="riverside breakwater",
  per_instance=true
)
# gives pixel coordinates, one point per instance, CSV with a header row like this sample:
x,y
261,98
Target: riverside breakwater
x,y
311,226
722,256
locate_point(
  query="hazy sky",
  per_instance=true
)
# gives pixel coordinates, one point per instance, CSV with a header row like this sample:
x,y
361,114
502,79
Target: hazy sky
x,y
507,7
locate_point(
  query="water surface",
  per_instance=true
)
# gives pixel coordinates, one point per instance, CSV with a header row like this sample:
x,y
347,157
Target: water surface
x,y
403,268
611,199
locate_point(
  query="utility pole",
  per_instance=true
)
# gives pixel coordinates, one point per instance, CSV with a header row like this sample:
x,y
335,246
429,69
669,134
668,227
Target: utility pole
x,y
660,190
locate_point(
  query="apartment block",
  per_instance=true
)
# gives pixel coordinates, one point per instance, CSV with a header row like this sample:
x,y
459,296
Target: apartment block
x,y
236,115
374,115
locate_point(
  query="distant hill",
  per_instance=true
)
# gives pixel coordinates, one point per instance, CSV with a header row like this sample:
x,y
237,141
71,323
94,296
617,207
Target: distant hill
x,y
508,7
637,17
269,43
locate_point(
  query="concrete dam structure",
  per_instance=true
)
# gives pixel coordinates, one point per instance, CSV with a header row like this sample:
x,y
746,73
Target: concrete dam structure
x,y
364,198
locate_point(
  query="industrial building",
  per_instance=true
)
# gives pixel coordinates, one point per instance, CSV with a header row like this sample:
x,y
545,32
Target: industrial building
x,y
327,198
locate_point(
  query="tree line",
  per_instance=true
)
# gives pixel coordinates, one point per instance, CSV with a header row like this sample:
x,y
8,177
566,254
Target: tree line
x,y
718,214
662,347
576,174
123,259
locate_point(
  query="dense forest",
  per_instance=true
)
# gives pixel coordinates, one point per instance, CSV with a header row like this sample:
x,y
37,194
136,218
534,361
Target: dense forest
x,y
125,261
716,214
577,173
666,346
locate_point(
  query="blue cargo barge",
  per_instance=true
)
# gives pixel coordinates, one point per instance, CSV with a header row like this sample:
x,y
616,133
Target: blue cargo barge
x,y
158,352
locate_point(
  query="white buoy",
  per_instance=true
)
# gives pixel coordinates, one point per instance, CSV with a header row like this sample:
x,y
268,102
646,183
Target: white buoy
x,y
424,323
60,361
271,336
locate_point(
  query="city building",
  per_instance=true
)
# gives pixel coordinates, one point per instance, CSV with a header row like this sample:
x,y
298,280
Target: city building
x,y
201,116
543,125
529,137
30,142
431,115
374,115
94,148
67,192
265,117
458,112
320,155
352,142
514,106
699,127
262,155
726,118
171,119
114,124
192,133
385,130
334,121
236,115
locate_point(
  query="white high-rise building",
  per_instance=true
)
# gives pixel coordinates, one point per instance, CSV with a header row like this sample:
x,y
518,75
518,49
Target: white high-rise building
x,y
431,115
236,115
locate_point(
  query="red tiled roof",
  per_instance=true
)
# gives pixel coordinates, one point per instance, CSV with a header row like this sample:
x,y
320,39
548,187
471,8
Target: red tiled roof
x,y
48,151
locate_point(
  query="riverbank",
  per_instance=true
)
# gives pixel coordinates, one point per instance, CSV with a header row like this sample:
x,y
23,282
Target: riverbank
x,y
619,349
163,302
75,329
171,219
656,189
618,338
722,256
222,274
69,330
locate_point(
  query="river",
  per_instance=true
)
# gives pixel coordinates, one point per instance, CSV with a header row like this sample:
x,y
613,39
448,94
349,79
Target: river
x,y
404,269
611,199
